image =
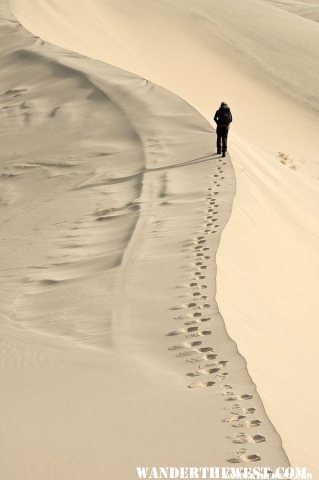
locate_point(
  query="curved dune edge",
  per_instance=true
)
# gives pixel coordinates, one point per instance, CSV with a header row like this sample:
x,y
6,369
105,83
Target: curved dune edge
x,y
271,239
64,276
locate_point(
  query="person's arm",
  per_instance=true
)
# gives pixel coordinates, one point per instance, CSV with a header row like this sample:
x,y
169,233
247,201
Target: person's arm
x,y
216,117
231,117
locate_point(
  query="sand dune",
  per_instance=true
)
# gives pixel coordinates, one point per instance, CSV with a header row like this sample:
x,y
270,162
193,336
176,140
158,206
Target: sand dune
x,y
307,8
211,51
112,207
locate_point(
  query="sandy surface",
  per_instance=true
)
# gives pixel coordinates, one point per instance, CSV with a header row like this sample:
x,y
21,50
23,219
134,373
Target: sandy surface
x,y
71,281
112,206
308,9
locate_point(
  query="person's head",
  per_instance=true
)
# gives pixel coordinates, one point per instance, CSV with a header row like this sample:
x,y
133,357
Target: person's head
x,y
223,105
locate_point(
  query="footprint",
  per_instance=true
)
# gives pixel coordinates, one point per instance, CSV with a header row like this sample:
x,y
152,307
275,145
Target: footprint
x,y
246,411
241,438
205,349
245,459
234,418
222,376
246,396
234,397
182,331
194,322
185,345
247,423
202,358
201,385
203,371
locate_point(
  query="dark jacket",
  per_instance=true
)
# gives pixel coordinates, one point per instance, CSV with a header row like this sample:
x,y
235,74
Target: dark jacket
x,y
223,116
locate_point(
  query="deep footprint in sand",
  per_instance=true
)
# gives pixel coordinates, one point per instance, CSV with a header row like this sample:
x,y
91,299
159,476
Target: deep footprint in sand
x,y
234,418
202,358
241,438
245,459
203,371
234,397
236,409
201,385
198,320
185,345
247,423
182,331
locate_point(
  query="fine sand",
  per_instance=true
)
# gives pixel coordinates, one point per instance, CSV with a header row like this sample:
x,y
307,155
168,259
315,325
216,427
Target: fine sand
x,y
112,342
306,8
112,207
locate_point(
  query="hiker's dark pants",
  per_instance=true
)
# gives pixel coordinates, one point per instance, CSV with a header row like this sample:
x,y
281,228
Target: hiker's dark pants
x,y
222,134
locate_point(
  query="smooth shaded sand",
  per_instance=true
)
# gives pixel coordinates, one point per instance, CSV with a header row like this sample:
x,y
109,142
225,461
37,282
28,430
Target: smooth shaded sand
x,y
113,350
264,61
305,8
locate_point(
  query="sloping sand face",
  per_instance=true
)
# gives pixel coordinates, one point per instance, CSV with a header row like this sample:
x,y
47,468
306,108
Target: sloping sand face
x,y
264,61
307,8
112,345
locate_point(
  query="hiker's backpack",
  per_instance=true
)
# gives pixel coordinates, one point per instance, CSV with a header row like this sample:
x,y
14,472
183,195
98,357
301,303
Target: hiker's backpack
x,y
224,117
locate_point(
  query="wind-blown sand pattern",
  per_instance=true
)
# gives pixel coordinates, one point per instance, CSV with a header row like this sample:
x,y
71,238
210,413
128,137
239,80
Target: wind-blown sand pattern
x,y
112,209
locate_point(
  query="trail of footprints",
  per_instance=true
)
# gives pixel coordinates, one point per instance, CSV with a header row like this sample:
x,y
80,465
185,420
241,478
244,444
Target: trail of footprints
x,y
196,317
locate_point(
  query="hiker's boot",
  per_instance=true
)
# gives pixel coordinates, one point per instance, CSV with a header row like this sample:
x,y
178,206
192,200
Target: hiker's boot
x,y
224,154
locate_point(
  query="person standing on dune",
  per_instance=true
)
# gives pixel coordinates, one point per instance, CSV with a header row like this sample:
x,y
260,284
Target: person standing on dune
x,y
223,119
